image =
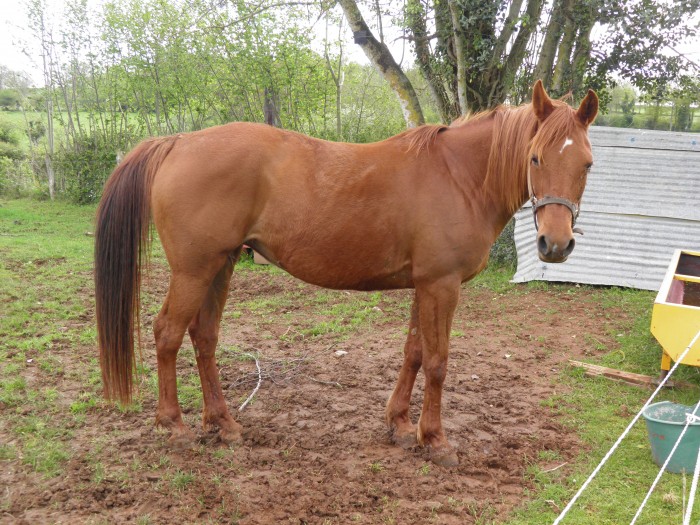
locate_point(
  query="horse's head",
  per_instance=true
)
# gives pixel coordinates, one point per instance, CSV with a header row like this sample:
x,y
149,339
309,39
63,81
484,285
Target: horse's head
x,y
560,158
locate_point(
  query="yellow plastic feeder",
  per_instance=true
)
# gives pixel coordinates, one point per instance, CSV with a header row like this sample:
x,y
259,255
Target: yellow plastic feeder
x,y
675,319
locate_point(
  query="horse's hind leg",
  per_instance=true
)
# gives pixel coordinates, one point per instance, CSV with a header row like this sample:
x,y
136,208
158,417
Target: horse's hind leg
x,y
185,296
403,432
204,332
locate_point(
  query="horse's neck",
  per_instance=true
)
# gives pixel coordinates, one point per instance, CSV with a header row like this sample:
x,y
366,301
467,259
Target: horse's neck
x,y
497,197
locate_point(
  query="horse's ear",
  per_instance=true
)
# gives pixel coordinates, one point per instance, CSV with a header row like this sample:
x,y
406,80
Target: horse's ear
x,y
588,109
541,103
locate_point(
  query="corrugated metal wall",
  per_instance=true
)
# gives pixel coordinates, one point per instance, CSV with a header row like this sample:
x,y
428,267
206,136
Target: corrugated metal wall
x,y
642,202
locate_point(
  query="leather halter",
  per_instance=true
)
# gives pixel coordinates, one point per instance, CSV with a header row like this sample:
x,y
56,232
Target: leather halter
x,y
540,203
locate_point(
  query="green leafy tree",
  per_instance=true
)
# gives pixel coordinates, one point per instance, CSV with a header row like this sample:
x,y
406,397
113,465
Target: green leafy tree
x,y
476,54
686,97
10,99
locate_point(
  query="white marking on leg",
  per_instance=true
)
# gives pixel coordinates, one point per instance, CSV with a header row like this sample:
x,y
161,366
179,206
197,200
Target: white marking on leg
x,y
567,142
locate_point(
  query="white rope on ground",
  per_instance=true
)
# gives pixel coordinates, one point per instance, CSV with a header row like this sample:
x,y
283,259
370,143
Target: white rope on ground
x,y
688,420
257,364
626,431
693,489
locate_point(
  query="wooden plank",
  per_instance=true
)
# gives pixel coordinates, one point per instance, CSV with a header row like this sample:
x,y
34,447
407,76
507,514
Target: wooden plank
x,y
611,373
626,377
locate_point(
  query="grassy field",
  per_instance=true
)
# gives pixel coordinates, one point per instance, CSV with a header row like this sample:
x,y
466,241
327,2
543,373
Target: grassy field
x,y
643,119
17,120
46,295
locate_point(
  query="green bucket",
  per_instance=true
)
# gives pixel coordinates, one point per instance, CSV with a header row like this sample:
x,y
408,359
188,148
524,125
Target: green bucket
x,y
665,422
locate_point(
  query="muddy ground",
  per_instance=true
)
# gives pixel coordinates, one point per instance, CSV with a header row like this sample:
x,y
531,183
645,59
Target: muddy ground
x,y
316,449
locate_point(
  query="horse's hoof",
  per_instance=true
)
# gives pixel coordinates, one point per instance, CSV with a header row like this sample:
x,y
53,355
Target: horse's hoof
x,y
444,456
405,440
182,440
230,437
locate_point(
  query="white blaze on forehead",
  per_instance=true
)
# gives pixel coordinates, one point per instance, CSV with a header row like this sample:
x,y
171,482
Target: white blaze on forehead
x,y
567,142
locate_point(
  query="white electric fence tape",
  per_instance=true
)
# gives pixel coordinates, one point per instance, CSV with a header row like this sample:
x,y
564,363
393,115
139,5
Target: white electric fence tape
x,y
626,431
688,419
693,489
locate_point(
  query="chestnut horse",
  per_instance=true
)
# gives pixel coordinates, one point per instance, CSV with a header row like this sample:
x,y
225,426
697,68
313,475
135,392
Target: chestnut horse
x,y
419,210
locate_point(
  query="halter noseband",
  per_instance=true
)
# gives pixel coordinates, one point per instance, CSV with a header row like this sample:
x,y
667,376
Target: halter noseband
x,y
540,203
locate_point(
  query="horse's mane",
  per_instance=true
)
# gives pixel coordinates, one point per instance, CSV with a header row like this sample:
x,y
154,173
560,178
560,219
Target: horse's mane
x,y
517,136
422,137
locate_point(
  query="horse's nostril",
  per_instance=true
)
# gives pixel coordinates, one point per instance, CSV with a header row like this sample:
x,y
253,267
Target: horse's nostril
x,y
569,247
553,252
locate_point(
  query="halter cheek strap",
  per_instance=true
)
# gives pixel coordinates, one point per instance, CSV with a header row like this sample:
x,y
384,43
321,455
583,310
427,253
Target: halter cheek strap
x,y
539,203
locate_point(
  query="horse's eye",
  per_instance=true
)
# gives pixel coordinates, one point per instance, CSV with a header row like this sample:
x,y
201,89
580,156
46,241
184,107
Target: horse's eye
x,y
535,160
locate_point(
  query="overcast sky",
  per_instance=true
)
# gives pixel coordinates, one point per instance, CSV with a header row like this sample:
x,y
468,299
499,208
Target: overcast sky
x,y
13,18
16,42
14,38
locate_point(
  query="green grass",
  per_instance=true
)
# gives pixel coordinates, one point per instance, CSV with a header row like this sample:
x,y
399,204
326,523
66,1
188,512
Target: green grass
x,y
343,315
181,480
599,410
376,467
7,452
45,290
45,278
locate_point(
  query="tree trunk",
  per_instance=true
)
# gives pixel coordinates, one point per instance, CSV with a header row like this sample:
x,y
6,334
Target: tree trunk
x,y
582,52
555,28
563,68
51,176
380,56
581,56
517,54
460,57
415,19
271,108
337,76
36,12
508,28
50,132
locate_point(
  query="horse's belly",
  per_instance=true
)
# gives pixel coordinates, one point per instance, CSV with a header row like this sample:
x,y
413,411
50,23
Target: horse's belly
x,y
338,270
401,279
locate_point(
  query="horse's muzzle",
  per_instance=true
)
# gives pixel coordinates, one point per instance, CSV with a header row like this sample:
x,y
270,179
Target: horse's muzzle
x,y
554,252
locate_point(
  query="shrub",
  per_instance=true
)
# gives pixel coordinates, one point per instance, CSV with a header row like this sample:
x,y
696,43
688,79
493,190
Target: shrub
x,y
11,151
16,178
10,99
36,130
85,168
683,118
503,252
8,134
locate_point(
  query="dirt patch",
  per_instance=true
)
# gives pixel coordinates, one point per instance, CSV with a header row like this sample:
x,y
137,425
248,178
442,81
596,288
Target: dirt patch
x,y
316,449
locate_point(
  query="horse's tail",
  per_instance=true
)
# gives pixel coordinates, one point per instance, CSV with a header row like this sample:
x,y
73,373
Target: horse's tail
x,y
122,238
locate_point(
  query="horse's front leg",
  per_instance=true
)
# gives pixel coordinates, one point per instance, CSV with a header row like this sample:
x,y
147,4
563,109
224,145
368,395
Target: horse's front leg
x,y
436,305
403,432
